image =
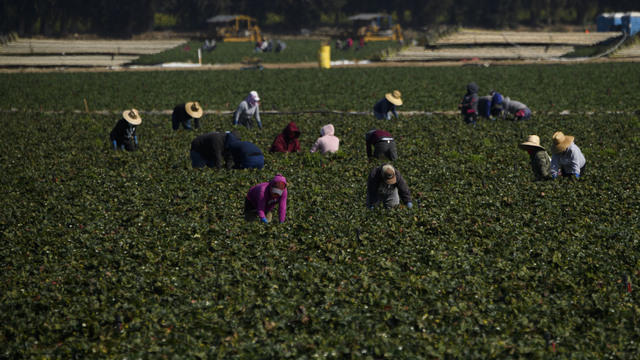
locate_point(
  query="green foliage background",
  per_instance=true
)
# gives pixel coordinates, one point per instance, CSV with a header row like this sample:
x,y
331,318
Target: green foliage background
x,y
113,254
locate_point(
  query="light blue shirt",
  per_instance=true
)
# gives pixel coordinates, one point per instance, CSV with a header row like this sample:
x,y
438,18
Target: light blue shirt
x,y
569,162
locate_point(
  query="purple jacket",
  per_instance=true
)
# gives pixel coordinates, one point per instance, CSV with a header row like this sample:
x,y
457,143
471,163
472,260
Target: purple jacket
x,y
260,197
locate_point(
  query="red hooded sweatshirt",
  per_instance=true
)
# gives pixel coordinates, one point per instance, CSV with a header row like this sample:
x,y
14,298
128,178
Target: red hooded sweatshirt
x,y
287,140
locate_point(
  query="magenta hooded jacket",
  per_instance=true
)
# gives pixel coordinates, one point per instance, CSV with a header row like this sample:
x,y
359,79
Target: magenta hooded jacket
x,y
260,197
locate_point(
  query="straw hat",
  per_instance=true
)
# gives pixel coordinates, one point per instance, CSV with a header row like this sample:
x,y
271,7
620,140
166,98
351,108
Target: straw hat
x,y
389,174
132,116
533,142
394,97
194,109
561,142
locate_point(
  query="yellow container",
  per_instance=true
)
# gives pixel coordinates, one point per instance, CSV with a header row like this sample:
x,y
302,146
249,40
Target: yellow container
x,y
324,57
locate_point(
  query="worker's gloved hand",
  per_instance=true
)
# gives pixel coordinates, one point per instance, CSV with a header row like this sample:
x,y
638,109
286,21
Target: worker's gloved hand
x,y
264,220
260,125
370,207
115,145
577,176
409,204
282,222
554,176
135,139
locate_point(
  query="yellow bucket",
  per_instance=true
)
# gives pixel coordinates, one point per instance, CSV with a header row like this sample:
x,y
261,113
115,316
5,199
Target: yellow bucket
x,y
324,57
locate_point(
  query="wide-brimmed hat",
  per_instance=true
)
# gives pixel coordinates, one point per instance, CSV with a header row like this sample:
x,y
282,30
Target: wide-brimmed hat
x,y
132,116
561,142
389,174
533,142
194,109
394,97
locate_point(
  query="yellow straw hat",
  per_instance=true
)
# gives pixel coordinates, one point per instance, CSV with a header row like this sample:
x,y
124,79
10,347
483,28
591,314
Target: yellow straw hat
x,y
132,116
394,97
561,142
194,109
533,142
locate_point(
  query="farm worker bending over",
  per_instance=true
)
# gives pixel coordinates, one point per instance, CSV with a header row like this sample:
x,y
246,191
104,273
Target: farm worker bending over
x,y
209,150
287,140
540,160
567,159
386,185
183,113
469,104
327,142
245,155
248,108
262,198
382,143
518,110
387,105
490,106
123,136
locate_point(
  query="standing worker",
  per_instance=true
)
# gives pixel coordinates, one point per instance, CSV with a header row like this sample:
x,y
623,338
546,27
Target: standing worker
x,y
469,104
387,105
385,185
184,113
263,197
567,159
209,150
247,109
245,155
540,160
287,140
383,145
123,136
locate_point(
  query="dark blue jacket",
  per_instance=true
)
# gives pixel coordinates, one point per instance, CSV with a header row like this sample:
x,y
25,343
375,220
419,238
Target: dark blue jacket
x,y
241,151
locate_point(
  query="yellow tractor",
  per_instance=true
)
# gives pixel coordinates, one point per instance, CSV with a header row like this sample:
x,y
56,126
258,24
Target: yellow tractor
x,y
376,27
234,28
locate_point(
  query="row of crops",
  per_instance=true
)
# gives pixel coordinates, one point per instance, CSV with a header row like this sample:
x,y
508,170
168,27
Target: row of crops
x,y
115,254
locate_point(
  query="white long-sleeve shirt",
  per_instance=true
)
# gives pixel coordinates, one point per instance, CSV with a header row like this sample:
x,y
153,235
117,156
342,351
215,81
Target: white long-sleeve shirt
x,y
244,113
569,162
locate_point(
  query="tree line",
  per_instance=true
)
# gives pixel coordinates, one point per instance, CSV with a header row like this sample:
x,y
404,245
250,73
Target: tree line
x,y
123,18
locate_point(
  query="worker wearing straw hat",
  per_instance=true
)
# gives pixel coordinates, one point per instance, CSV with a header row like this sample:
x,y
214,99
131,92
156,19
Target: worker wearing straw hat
x,y
566,159
385,185
184,113
123,136
247,109
386,106
540,160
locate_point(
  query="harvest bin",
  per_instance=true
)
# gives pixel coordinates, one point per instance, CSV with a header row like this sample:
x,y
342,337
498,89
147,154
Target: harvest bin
x,y
324,57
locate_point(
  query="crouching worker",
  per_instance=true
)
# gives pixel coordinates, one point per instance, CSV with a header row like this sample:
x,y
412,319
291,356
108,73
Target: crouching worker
x,y
469,104
540,160
514,108
287,140
385,185
327,142
184,113
567,159
209,150
382,143
386,106
262,198
123,136
245,155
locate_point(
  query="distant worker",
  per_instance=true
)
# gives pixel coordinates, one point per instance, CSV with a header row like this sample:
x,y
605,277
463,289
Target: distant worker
x,y
469,104
184,113
287,140
327,142
280,46
209,46
262,199
209,150
540,160
123,136
385,185
383,145
490,106
246,155
514,108
566,159
386,106
247,109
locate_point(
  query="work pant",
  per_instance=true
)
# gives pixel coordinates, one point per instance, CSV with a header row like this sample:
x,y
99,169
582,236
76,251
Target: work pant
x,y
252,162
381,116
199,161
186,124
582,169
385,148
389,199
251,213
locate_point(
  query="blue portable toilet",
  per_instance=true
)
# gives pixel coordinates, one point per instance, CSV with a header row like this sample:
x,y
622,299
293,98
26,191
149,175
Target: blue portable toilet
x,y
631,22
609,22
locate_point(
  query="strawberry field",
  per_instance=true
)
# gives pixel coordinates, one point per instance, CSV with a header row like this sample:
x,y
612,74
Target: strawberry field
x,y
115,254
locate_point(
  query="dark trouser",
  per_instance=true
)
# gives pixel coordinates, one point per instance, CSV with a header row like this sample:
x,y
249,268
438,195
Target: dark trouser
x,y
199,161
251,213
125,144
582,169
252,162
470,119
385,148
186,124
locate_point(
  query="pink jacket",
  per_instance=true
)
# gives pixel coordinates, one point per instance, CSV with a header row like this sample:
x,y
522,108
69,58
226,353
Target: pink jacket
x,y
260,197
327,142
